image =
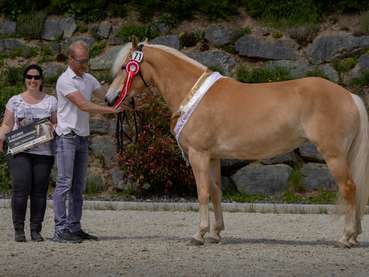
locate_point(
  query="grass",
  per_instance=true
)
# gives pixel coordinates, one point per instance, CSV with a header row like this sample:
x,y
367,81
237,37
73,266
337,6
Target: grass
x,y
361,81
316,197
262,75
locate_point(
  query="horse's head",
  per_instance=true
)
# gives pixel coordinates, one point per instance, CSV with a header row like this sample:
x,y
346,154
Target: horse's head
x,y
128,61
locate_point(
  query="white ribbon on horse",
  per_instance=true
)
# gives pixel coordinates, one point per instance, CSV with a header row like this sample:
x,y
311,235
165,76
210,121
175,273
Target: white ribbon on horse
x,y
187,110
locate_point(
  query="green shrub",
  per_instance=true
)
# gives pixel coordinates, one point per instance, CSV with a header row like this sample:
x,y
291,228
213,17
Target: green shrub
x,y
30,25
140,31
344,65
97,48
4,175
316,73
281,12
364,22
361,81
155,158
295,182
261,75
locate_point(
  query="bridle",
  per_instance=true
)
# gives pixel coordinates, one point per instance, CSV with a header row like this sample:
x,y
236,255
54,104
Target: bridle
x,y
132,68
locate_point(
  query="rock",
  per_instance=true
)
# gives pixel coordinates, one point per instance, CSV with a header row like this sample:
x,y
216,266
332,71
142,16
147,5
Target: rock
x,y
229,166
119,180
52,30
288,158
99,126
309,152
7,27
105,60
329,72
263,179
316,176
68,26
169,40
8,45
253,47
361,67
104,29
103,147
215,59
330,47
296,69
53,70
219,35
94,182
228,187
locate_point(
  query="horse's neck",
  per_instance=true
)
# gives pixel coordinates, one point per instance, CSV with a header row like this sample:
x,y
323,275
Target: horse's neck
x,y
173,77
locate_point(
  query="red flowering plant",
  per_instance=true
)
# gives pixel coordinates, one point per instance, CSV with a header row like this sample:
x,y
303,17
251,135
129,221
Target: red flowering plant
x,y
154,161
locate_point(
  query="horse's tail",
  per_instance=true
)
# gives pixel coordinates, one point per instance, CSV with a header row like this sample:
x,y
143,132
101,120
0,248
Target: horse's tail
x,y
358,157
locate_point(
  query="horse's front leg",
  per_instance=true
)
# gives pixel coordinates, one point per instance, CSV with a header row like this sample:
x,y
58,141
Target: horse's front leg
x,y
200,163
216,199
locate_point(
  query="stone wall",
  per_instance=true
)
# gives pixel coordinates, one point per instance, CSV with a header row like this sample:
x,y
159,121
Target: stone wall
x,y
224,46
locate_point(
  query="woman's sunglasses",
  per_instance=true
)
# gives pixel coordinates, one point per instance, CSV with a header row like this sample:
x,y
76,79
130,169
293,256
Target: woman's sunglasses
x,y
36,77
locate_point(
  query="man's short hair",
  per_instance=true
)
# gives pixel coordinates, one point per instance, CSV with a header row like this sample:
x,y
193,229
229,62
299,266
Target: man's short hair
x,y
77,44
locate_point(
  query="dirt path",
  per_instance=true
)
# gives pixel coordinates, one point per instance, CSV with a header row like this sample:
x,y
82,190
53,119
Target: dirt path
x,y
143,243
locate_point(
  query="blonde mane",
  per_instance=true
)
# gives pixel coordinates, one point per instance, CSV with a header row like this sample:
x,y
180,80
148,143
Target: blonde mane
x,y
122,55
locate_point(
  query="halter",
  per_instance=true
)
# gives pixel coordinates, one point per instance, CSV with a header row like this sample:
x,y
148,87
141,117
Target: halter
x,y
132,68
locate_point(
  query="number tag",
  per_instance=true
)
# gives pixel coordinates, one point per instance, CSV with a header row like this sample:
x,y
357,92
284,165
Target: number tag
x,y
137,56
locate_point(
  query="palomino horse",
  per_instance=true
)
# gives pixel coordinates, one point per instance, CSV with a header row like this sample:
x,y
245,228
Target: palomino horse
x,y
257,121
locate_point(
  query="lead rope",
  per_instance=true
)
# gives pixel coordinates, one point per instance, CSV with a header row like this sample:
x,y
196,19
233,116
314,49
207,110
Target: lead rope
x,y
119,130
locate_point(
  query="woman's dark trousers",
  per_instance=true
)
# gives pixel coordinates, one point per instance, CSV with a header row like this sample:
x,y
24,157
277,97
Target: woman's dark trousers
x,y
30,178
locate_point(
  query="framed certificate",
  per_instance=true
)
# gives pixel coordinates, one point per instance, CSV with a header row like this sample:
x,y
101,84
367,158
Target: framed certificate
x,y
29,136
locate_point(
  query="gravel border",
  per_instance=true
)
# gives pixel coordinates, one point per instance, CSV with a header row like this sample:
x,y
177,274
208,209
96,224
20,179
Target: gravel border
x,y
192,206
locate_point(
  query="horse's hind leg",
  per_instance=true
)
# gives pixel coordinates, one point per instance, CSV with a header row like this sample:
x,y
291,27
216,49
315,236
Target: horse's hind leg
x,y
216,199
339,169
200,163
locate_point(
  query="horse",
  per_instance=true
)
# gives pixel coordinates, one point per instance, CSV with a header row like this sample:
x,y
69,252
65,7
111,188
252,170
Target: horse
x,y
237,120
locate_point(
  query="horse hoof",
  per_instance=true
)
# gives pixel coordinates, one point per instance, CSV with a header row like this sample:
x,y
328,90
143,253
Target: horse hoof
x,y
354,242
343,243
213,240
196,242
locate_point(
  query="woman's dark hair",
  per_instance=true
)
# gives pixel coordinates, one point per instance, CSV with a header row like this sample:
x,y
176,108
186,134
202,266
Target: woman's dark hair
x,y
36,67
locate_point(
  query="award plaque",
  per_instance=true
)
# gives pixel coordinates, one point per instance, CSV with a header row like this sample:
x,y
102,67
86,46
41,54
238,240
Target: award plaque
x,y
26,137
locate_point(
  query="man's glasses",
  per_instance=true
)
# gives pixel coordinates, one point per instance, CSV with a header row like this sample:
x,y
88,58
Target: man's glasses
x,y
36,77
82,61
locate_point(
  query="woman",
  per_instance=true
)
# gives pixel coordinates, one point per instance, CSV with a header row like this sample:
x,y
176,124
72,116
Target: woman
x,y
30,169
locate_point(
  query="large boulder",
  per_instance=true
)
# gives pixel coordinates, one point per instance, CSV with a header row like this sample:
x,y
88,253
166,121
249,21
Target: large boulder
x,y
105,60
215,59
317,176
56,28
263,179
327,48
7,27
253,47
220,35
169,40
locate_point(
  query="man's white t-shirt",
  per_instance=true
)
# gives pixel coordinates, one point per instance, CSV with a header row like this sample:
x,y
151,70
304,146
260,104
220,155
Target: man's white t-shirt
x,y
70,117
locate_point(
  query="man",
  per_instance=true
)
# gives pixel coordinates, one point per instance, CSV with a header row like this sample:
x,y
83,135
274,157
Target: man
x,y
74,89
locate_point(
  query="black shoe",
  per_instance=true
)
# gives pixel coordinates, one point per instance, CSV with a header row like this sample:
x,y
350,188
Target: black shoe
x,y
85,236
19,236
36,236
66,237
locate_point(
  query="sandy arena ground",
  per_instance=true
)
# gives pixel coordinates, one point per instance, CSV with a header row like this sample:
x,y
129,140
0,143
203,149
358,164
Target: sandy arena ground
x,y
144,243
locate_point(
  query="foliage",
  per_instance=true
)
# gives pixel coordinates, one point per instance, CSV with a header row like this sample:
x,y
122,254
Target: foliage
x,y
304,34
300,12
97,48
364,22
277,34
316,73
155,161
12,76
281,12
295,182
317,197
140,31
261,75
362,80
4,175
30,25
344,65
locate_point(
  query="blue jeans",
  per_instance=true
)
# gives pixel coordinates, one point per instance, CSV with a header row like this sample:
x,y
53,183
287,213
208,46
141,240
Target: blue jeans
x,y
71,161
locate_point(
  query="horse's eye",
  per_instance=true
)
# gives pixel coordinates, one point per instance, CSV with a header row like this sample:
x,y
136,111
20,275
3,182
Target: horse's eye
x,y
123,67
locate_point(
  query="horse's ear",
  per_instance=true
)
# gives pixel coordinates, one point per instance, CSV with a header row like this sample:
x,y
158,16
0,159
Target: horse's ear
x,y
134,42
146,40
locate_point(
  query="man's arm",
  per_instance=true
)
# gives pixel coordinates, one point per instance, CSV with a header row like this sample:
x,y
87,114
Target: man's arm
x,y
87,106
